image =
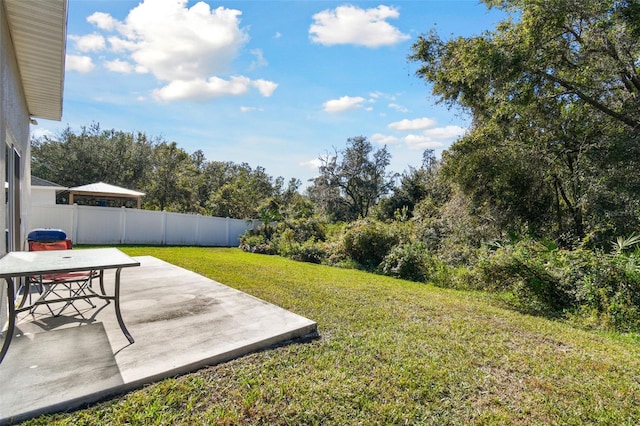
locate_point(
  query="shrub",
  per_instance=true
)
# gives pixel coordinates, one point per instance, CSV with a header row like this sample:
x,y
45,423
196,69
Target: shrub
x,y
588,287
409,261
304,229
310,251
612,292
368,241
542,280
256,243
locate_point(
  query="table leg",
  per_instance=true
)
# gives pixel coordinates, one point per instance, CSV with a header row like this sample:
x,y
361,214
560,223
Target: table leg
x,y
12,318
102,283
26,290
117,303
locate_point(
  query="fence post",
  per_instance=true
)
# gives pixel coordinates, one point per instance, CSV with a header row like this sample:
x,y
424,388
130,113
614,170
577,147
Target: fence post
x,y
197,239
163,226
74,224
228,231
123,225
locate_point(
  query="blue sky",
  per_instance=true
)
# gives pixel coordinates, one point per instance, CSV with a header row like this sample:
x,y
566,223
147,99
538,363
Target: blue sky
x,y
270,83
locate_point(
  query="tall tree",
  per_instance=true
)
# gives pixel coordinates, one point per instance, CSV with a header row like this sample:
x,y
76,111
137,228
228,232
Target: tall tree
x,y
93,155
242,192
171,184
355,179
555,98
415,184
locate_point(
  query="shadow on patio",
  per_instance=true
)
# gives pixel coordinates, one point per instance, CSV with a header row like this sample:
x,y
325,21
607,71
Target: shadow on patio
x,y
181,321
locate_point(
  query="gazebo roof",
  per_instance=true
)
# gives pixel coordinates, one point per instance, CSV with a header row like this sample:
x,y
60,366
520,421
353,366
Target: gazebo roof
x,y
101,188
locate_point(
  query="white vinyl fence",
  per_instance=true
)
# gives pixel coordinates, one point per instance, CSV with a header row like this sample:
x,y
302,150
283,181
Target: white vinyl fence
x,y
109,225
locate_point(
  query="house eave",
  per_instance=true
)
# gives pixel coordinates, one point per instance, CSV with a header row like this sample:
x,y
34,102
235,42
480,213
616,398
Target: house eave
x,y
38,33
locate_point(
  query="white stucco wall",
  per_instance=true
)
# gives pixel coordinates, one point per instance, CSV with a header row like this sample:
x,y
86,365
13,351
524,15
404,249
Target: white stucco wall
x,y
43,196
14,126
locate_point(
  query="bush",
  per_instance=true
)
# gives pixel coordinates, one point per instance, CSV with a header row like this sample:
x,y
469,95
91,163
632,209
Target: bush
x,y
304,229
588,287
256,243
410,261
612,292
310,251
368,242
542,280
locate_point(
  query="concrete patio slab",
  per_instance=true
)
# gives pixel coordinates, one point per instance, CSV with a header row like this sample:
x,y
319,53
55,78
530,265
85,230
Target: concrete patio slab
x,y
181,321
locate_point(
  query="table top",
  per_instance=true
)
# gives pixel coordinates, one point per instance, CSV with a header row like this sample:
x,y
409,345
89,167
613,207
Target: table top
x,y
26,263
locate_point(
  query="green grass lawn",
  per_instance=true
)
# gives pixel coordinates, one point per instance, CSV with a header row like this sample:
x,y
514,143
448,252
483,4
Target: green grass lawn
x,y
389,352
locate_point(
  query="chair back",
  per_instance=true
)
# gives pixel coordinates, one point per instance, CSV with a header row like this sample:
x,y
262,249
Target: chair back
x,y
55,245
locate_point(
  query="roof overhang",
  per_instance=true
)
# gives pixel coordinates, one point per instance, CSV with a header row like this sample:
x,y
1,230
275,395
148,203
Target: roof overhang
x,y
39,33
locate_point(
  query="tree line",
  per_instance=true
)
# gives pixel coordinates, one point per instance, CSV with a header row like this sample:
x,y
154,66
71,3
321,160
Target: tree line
x,y
172,179
539,200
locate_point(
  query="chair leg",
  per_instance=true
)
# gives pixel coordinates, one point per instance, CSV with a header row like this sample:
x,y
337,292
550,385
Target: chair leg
x,y
82,288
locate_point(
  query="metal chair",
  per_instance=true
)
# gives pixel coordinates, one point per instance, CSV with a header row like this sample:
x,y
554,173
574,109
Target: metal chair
x,y
54,286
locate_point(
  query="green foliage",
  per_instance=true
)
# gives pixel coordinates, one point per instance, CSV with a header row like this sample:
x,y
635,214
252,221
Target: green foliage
x,y
93,155
621,243
311,251
415,185
368,242
589,287
351,183
409,261
172,179
543,281
170,186
242,192
303,229
554,142
253,242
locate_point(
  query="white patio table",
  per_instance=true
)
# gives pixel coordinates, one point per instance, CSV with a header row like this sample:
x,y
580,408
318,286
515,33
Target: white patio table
x,y
27,264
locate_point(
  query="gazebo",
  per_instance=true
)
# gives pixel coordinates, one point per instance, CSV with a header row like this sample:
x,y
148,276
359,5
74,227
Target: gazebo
x,y
103,192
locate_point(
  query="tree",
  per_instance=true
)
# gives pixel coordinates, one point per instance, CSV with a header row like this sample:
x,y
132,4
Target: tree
x,y
348,187
170,186
415,184
555,98
242,191
172,179
93,155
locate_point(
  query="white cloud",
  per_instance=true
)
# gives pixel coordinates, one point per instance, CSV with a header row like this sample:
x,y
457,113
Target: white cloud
x,y
88,43
260,61
38,132
266,88
416,124
345,103
353,25
175,42
200,89
434,138
398,108
119,66
188,48
429,136
119,45
381,139
250,109
447,132
102,20
82,64
312,164
422,142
